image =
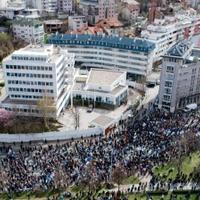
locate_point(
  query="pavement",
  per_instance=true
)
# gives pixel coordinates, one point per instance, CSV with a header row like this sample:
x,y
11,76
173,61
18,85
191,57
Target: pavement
x,y
1,75
67,119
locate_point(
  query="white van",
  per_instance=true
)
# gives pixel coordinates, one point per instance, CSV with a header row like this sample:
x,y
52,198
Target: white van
x,y
190,107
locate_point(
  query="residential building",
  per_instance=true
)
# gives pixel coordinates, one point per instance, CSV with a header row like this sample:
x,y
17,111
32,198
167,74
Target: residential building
x,y
16,4
34,73
3,4
101,87
77,22
29,30
180,77
168,31
135,56
96,10
50,6
65,6
29,14
133,6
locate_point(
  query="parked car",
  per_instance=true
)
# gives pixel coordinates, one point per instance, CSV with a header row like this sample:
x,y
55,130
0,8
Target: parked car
x,y
90,108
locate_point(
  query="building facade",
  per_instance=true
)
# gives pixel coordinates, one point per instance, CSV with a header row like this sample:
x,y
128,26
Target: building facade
x,y
180,77
77,23
29,30
96,10
34,73
135,56
167,32
65,6
101,88
133,6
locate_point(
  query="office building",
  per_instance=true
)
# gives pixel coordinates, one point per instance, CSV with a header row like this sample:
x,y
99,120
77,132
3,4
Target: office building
x,y
135,56
34,73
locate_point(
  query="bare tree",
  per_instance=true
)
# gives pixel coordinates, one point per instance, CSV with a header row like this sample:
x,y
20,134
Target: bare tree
x,y
3,178
60,178
118,175
47,109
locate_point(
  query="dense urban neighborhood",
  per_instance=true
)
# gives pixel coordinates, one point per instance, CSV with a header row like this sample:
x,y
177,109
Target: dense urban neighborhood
x,y
99,100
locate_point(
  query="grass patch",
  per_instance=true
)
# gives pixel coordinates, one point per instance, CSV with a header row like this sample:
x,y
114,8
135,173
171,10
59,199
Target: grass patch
x,y
190,163
166,172
130,180
170,170
137,197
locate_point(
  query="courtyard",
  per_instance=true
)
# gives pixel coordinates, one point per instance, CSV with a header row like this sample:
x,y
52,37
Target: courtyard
x,y
81,118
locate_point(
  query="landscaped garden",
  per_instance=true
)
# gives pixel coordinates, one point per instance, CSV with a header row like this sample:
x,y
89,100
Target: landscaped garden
x,y
189,166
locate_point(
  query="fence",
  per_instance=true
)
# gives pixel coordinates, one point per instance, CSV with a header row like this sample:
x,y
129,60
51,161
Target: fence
x,y
49,136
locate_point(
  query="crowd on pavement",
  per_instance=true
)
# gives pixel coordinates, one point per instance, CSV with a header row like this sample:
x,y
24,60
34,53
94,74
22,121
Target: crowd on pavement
x,y
136,146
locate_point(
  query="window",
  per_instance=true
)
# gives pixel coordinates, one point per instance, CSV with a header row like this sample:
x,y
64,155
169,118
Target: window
x,y
170,69
167,97
168,91
168,84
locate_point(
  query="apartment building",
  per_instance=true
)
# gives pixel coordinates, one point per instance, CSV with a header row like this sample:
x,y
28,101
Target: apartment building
x,y
96,10
29,30
180,77
77,22
167,32
36,72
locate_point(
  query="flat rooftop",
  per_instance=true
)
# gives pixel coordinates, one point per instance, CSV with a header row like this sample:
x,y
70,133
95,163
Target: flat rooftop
x,y
133,44
53,21
103,121
103,77
48,52
131,2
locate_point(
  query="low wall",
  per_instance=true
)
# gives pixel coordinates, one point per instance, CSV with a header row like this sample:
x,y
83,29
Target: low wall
x,y
136,85
49,136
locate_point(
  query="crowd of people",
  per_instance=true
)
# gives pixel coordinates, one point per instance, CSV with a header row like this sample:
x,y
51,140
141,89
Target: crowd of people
x,y
135,146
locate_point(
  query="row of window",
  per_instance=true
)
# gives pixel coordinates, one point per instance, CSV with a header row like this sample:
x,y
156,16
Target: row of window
x,y
22,110
29,90
29,75
29,67
30,83
28,58
17,96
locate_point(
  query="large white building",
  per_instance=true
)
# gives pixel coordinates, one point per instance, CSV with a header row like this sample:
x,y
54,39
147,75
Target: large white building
x,y
168,31
135,56
34,73
180,77
101,87
29,30
3,4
